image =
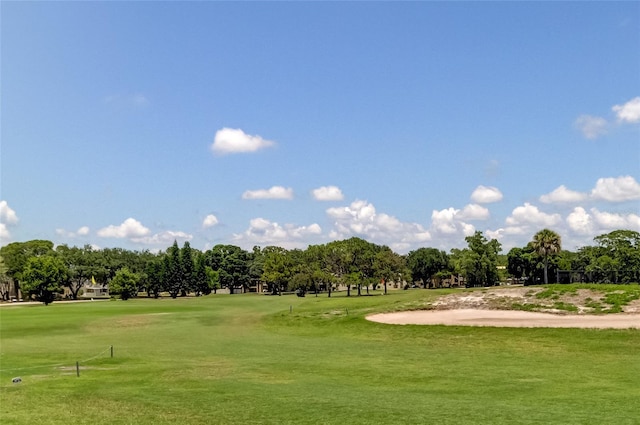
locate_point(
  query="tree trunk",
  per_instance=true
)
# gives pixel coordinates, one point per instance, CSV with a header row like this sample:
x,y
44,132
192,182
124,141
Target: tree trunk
x,y
546,266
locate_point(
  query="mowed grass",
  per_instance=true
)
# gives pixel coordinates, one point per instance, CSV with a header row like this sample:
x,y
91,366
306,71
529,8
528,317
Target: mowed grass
x,y
254,359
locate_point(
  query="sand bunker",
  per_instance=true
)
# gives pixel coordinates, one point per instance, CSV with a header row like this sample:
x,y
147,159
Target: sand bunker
x,y
508,318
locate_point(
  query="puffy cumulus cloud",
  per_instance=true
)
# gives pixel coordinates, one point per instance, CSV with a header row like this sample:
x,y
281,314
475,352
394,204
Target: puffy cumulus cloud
x,y
450,225
629,112
5,235
563,195
231,140
509,231
327,193
474,212
275,192
7,215
591,127
209,221
448,222
130,228
486,195
607,221
580,221
264,232
360,218
594,222
528,214
82,231
163,238
616,189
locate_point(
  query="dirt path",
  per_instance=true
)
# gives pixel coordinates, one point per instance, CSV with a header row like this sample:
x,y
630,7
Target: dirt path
x,y
508,318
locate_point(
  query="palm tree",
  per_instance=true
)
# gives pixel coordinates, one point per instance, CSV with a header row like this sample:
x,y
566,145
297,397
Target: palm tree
x,y
546,242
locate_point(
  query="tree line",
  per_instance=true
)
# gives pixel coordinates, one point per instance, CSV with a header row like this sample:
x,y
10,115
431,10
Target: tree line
x,y
42,271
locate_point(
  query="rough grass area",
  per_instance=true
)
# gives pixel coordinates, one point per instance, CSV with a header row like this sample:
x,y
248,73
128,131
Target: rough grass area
x,y
564,299
252,359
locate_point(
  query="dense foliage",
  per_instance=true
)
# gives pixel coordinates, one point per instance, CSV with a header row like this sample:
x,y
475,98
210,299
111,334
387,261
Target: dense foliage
x,y
43,272
614,259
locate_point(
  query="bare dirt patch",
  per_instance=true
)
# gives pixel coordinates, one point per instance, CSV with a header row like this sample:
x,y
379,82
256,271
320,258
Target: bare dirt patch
x,y
518,307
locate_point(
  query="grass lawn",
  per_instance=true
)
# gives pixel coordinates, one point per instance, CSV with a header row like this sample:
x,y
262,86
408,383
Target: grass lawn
x,y
254,359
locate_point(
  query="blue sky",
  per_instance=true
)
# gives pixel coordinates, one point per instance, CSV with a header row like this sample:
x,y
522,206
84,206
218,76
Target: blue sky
x,y
132,124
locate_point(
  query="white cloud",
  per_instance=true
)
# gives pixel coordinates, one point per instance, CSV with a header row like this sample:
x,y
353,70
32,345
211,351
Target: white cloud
x,y
629,112
264,232
616,189
591,127
230,140
528,214
503,232
612,221
580,221
328,193
5,235
130,228
82,231
486,195
449,222
596,222
209,221
361,219
563,195
523,222
163,238
275,192
474,212
7,215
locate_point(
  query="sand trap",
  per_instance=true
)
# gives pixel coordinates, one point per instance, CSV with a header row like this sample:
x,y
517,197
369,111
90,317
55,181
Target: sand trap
x,y
508,318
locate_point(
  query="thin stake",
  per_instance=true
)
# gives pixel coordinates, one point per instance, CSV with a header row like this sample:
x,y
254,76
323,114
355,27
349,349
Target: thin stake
x,y
78,369
112,351
290,308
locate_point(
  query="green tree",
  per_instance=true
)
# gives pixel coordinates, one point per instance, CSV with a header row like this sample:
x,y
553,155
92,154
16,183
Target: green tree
x,y
213,279
173,272
256,266
187,265
361,256
277,269
232,264
623,248
201,283
43,277
82,266
390,267
316,258
521,262
5,281
153,277
546,243
125,283
479,262
425,263
16,255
